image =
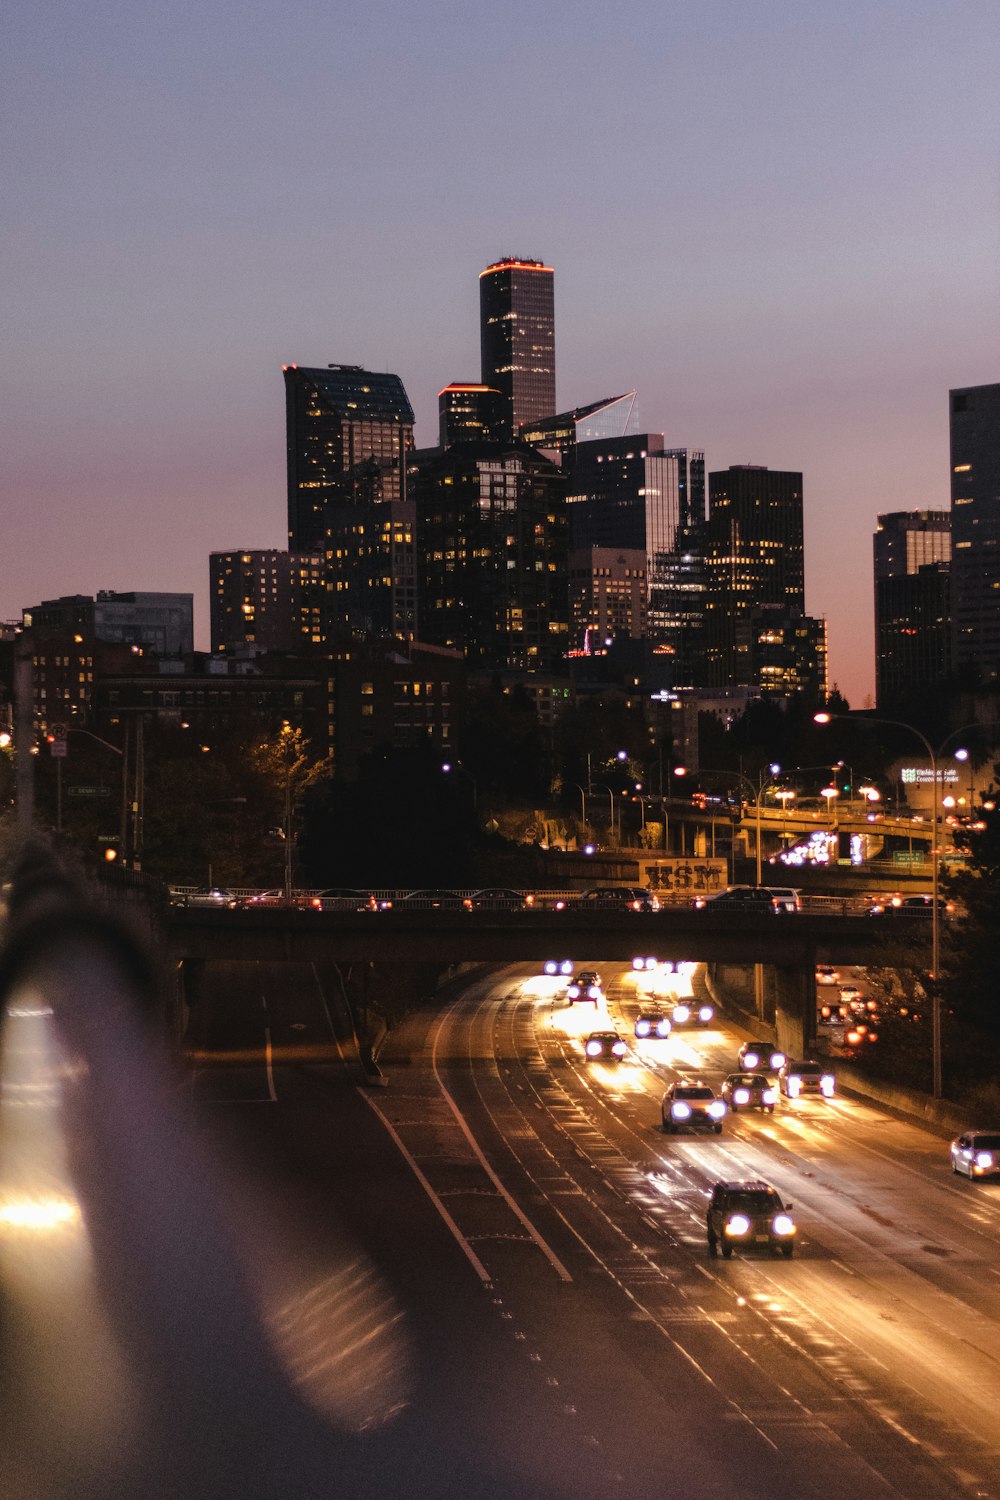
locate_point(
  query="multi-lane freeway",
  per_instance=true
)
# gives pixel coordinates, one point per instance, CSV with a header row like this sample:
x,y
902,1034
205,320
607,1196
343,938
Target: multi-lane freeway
x,y
496,1265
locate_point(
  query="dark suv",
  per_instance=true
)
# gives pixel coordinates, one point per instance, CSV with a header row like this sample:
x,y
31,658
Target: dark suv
x,y
749,1214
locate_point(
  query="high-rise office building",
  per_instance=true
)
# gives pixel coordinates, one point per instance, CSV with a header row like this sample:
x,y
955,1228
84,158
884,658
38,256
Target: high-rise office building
x,y
753,557
912,551
348,433
975,528
493,556
267,599
467,413
517,339
559,436
607,597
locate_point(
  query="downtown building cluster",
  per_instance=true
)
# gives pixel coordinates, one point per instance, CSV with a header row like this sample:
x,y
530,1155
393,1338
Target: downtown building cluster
x,y
567,552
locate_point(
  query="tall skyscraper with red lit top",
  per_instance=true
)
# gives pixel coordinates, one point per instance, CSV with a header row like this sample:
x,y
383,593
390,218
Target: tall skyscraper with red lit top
x,y
517,339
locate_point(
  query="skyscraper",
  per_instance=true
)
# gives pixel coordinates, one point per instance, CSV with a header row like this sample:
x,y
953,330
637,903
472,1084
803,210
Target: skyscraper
x,y
467,413
493,556
912,603
975,527
755,621
517,339
348,434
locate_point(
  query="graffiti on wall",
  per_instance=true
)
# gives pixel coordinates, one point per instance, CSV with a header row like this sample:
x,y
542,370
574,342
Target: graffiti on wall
x,y
684,873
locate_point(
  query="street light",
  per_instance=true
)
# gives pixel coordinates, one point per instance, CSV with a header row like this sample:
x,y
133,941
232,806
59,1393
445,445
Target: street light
x,y
932,755
448,766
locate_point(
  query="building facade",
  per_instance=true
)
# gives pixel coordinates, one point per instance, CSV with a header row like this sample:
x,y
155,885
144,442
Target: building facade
x,y
558,436
517,340
753,556
349,432
913,628
467,413
267,599
493,556
975,528
159,623
607,596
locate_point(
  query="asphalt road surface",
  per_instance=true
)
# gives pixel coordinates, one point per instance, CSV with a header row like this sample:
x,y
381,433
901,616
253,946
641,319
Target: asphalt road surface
x,y
495,1267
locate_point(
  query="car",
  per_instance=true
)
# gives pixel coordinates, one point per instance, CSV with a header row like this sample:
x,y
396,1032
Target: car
x,y
754,1055
833,1015
910,906
261,900
749,1215
777,899
976,1153
432,900
558,966
342,898
499,898
806,1077
686,1013
750,1091
214,898
827,974
585,987
652,1024
692,1106
604,1044
849,993
621,898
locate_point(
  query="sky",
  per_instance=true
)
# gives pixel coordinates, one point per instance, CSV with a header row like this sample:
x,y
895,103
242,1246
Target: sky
x,y
779,221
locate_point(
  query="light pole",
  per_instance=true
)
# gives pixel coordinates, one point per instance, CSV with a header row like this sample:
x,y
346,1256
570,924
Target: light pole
x,y
601,786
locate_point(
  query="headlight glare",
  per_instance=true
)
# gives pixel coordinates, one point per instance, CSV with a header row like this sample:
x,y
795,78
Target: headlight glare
x,y
682,1013
828,1083
593,1049
737,1224
741,1096
770,1096
778,1060
705,1013
680,1110
618,1048
984,1160
717,1109
782,1224
751,1059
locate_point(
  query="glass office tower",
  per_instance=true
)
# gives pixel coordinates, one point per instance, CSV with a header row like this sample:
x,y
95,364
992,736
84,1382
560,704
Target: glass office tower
x,y
517,339
975,527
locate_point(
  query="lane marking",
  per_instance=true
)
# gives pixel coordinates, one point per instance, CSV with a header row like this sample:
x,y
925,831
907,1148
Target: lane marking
x,y
267,1063
473,1258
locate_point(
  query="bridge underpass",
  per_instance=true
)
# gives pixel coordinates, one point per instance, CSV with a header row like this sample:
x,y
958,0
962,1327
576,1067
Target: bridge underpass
x,y
784,950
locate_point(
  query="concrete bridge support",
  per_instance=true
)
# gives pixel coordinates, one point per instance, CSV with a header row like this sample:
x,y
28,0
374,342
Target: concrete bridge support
x,y
794,1008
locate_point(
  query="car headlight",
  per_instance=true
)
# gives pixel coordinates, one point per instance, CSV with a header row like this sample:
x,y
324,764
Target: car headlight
x,y
572,991
593,1049
751,1059
565,967
828,1083
551,967
682,1013
778,1060
794,1085
618,1048
984,1160
680,1110
594,992
705,1013
737,1224
782,1224
770,1096
642,1028
741,1096
638,963
663,1027
717,1109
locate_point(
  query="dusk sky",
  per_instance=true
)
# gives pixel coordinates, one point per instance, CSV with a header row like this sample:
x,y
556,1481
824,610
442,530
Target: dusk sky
x,y
779,221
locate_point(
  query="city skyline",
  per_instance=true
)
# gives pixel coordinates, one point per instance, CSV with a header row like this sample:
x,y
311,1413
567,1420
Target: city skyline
x,y
172,252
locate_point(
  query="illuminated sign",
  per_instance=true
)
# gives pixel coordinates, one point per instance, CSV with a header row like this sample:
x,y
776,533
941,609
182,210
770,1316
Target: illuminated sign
x,y
924,776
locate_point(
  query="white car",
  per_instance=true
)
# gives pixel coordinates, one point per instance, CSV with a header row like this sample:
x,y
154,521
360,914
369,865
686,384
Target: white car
x,y
827,974
976,1153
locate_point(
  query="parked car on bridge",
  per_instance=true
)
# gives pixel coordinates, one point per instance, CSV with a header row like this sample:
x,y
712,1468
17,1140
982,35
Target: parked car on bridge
x,y
499,898
910,906
778,899
754,1055
341,898
692,1106
432,900
621,898
750,1091
749,1215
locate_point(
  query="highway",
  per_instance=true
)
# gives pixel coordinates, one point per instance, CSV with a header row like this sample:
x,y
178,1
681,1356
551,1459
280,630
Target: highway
x,y
496,1265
